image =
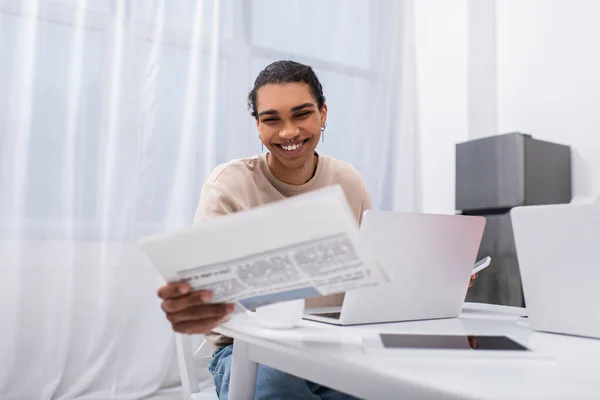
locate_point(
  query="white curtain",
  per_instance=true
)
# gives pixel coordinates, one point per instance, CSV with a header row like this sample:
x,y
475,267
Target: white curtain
x,y
112,113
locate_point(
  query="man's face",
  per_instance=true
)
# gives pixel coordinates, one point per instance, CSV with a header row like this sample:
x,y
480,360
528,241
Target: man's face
x,y
289,122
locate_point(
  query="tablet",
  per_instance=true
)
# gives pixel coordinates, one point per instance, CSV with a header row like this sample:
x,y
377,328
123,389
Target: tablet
x,y
444,346
449,342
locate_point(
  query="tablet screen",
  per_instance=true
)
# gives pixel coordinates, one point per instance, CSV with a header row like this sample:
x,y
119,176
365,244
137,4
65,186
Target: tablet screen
x,y
450,342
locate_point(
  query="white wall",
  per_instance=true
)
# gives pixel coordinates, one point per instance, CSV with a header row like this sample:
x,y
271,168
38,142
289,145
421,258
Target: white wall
x,y
482,64
548,66
441,69
494,66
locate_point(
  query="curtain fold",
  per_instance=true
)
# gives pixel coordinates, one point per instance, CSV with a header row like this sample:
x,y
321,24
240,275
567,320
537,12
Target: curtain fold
x,y
112,114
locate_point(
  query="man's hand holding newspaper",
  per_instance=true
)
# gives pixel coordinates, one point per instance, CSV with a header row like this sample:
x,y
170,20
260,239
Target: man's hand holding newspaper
x,y
191,312
251,259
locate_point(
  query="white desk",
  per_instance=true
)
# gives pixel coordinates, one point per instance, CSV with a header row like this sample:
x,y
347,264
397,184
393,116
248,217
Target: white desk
x,y
335,357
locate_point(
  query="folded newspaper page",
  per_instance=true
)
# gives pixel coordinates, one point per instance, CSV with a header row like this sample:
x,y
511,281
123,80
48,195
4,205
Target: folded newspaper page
x,y
302,247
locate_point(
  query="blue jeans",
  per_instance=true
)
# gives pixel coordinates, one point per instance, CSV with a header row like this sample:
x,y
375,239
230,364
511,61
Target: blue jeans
x,y
271,384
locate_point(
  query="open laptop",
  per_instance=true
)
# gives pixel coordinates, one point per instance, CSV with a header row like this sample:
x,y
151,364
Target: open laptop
x,y
557,248
428,258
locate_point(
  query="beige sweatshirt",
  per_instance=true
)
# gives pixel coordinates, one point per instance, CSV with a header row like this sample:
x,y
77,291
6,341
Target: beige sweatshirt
x,y
246,183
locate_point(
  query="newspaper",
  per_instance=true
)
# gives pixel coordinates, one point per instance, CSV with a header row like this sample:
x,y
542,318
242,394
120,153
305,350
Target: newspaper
x,y
302,247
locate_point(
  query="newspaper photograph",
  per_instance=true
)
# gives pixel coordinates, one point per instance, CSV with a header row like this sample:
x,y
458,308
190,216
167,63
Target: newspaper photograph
x,y
316,252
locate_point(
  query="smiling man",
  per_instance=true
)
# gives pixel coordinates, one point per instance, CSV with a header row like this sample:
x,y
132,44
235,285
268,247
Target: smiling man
x,y
288,105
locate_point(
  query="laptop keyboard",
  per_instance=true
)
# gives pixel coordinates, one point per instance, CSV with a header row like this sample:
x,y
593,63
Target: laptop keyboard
x,y
329,315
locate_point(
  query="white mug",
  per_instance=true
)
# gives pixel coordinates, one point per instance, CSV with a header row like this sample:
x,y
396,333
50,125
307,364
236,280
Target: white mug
x,y
283,315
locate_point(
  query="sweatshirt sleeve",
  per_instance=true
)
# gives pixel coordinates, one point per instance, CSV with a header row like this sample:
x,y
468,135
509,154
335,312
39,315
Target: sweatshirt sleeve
x,y
214,201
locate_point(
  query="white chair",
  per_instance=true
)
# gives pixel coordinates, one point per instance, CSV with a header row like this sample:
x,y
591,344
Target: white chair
x,y
193,361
